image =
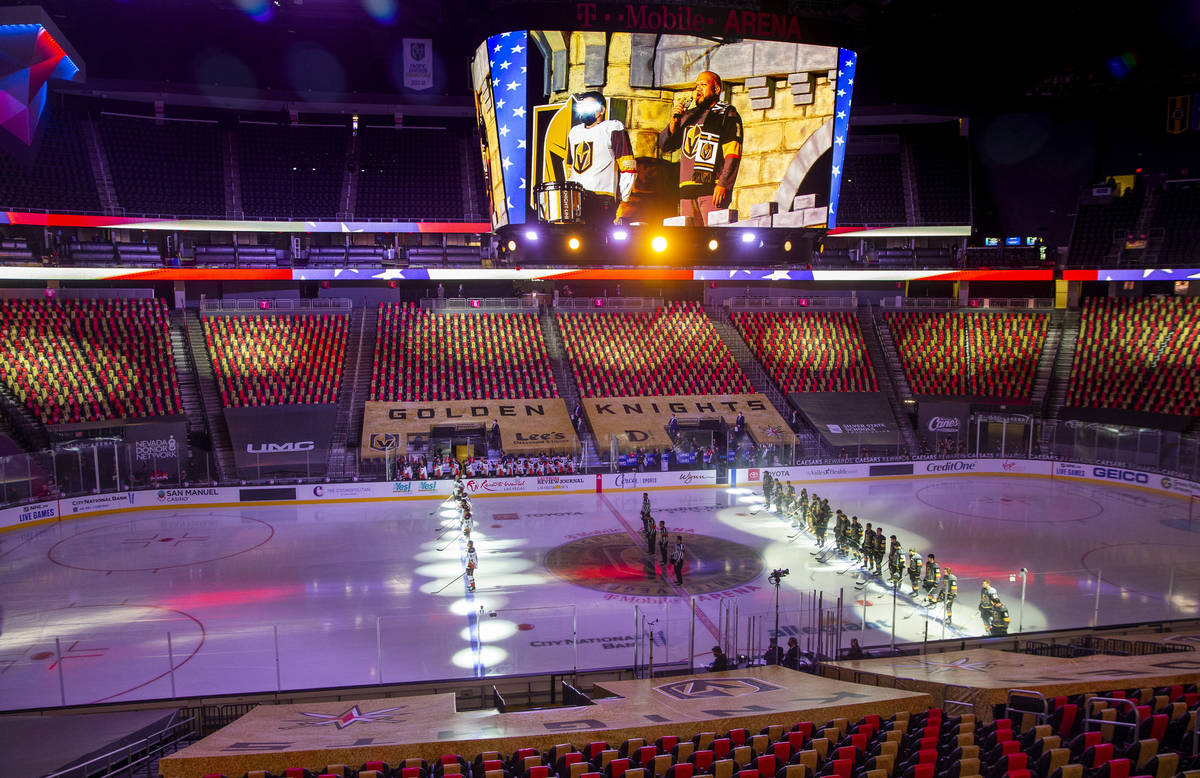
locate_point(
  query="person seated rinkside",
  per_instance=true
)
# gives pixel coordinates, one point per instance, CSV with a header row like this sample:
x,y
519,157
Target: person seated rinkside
x,y
720,661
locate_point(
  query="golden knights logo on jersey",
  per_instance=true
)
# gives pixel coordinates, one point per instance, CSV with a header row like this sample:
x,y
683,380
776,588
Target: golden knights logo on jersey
x,y
581,156
699,145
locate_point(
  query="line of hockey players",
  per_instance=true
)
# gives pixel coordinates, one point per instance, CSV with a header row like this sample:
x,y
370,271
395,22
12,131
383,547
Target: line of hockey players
x,y
422,469
462,500
937,585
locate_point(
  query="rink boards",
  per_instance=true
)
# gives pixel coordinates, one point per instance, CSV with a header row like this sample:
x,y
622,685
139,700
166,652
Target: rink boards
x,y
275,737
983,677
35,514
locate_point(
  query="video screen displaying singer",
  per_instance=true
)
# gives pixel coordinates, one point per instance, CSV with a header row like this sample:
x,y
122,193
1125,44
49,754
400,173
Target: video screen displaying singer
x,y
585,127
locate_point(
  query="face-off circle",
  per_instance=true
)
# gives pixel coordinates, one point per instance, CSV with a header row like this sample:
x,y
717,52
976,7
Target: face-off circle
x,y
157,543
108,650
999,501
611,563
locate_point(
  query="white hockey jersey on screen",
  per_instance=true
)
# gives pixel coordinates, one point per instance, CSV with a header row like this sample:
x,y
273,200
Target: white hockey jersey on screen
x,y
600,158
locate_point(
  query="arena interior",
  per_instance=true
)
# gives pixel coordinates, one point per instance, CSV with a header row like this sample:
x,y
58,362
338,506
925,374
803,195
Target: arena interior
x,y
517,389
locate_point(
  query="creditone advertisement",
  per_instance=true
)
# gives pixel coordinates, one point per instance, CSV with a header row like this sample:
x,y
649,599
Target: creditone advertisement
x,y
587,127
292,439
534,426
641,422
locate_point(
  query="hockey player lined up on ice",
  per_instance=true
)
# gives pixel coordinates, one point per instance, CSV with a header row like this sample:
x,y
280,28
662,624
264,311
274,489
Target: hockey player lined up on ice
x,y
856,536
458,490
866,547
820,519
841,532
915,565
466,520
645,506
767,482
802,514
948,593
472,563
933,576
1000,619
985,603
880,549
790,496
895,562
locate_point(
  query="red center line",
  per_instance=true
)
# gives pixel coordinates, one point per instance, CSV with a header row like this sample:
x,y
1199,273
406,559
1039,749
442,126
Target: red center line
x,y
679,590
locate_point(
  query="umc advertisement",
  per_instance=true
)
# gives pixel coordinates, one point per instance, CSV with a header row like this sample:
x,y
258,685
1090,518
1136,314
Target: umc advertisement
x,y
281,439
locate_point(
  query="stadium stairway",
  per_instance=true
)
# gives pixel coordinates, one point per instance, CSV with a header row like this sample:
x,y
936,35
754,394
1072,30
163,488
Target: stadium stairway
x,y
231,176
347,426
1064,358
1045,365
762,383
348,197
20,425
887,372
218,432
98,160
189,389
568,390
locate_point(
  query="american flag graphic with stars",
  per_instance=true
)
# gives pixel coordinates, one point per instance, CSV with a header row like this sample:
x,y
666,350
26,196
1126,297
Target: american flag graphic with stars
x,y
841,127
507,56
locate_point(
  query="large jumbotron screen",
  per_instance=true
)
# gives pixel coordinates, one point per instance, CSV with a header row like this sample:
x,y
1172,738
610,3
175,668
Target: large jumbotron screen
x,y
647,129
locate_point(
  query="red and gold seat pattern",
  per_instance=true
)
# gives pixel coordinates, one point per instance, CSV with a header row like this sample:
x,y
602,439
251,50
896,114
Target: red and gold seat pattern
x,y
425,356
992,355
1141,355
73,361
277,359
674,350
809,352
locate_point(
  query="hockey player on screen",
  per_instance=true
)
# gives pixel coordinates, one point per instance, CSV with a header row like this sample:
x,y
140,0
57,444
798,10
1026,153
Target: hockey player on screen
x,y
600,159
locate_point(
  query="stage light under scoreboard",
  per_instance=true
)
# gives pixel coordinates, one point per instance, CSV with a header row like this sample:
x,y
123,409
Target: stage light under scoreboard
x,y
573,243
659,244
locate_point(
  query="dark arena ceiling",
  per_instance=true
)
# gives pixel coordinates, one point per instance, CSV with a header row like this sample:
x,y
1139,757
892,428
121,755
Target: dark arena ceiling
x,y
951,52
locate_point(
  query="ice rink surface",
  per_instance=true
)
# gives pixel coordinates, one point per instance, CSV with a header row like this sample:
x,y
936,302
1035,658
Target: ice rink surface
x,y
207,601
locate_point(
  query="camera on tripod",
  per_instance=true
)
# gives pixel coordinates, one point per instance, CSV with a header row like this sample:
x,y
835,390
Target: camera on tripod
x,y
777,575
